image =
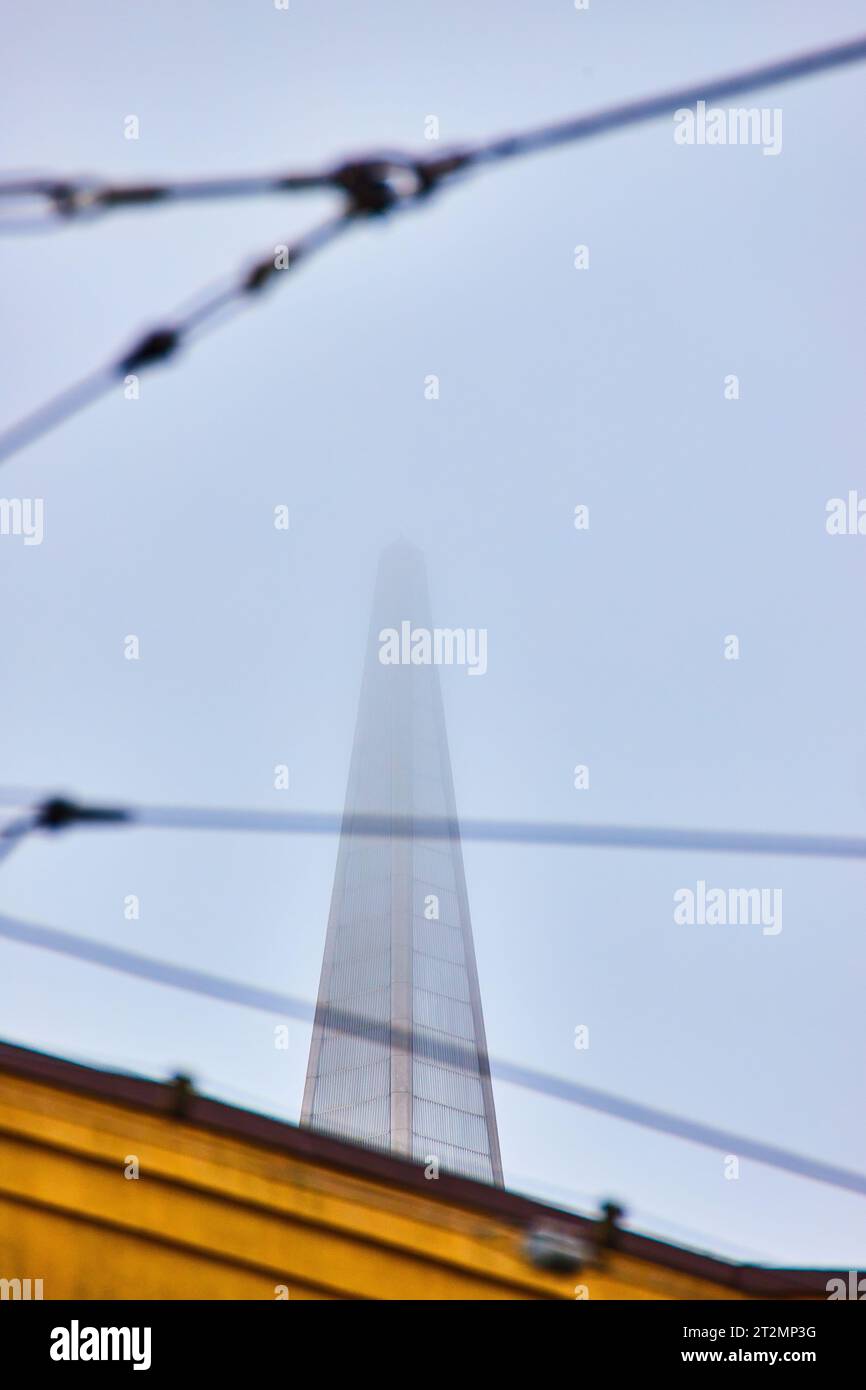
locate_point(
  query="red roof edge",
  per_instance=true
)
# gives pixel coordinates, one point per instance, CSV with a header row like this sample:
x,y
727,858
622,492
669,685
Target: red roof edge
x,y
165,1098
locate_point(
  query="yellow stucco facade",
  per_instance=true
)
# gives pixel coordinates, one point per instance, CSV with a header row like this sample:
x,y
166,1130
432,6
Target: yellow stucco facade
x,y
232,1206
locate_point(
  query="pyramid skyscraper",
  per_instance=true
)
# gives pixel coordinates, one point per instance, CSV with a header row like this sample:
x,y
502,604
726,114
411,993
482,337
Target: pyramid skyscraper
x,y
398,1059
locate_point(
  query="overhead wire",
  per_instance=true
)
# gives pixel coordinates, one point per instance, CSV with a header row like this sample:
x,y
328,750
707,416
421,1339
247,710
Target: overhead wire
x,y
372,186
27,204
66,198
160,344
14,832
446,1050
59,813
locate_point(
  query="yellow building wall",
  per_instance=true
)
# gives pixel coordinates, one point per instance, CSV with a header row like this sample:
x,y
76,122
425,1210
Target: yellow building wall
x,y
213,1216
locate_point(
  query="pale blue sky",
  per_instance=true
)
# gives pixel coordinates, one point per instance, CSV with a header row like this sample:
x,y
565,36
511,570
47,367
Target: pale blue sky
x,y
557,387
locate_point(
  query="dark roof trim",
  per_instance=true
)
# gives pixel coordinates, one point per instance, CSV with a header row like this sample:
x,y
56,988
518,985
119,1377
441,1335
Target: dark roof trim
x,y
167,1098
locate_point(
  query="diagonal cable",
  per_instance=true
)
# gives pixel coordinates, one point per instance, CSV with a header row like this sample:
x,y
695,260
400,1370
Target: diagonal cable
x,y
12,834
356,1025
64,198
162,343
374,185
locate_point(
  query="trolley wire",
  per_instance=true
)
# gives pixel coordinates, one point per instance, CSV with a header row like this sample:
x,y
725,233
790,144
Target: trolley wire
x,y
59,813
29,204
63,198
371,186
164,342
14,832
445,1050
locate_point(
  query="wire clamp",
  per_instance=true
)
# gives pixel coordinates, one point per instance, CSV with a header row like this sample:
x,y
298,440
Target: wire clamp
x,y
375,186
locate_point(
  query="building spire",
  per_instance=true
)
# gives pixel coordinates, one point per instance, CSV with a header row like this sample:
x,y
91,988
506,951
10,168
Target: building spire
x,y
413,1078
